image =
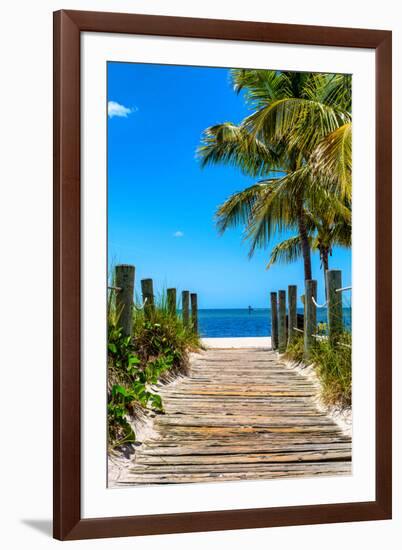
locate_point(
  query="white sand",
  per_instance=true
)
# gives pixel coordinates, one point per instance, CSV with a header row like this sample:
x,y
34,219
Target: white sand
x,y
231,343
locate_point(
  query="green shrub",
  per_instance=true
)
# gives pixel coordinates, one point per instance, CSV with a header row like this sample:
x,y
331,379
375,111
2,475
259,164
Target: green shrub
x,y
163,335
120,431
159,344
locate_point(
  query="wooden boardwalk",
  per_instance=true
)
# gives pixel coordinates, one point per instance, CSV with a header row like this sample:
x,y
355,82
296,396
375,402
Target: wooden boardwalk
x,y
241,414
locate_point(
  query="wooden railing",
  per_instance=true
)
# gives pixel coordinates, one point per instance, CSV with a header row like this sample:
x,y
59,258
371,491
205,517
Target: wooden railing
x,y
124,289
284,319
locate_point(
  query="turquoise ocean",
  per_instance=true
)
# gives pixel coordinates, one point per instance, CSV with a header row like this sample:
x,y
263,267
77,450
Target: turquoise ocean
x,y
221,323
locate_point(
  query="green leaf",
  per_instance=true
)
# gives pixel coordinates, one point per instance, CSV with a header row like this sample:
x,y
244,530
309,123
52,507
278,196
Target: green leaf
x,y
120,390
112,347
156,401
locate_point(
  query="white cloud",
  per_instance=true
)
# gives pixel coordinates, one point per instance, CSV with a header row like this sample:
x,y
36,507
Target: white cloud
x,y
178,234
116,109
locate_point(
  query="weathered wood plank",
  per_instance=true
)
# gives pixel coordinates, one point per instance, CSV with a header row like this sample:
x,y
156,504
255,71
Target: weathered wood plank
x,y
164,475
237,421
239,414
267,469
246,458
161,450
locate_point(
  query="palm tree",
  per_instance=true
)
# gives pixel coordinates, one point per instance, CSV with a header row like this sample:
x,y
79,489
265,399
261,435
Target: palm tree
x,y
325,232
332,160
293,112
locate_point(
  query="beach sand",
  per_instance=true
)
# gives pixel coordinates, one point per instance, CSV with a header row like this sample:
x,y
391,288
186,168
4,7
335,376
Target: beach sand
x,y
263,342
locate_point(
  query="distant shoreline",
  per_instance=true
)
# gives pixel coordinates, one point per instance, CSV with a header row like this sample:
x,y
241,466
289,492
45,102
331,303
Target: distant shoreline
x,y
245,323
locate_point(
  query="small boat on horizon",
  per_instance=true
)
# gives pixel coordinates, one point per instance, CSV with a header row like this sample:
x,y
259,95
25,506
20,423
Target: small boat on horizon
x,y
250,309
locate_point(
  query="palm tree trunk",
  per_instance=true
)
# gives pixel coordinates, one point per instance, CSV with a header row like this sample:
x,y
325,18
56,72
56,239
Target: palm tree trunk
x,y
305,244
325,264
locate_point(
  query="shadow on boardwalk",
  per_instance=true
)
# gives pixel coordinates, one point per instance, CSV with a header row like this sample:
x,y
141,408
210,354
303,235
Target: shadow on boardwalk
x,y
241,414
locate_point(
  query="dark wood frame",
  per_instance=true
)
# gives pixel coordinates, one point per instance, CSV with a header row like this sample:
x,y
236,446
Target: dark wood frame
x,y
68,26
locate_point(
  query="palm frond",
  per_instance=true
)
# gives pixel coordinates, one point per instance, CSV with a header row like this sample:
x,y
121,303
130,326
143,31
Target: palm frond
x,y
273,212
300,123
237,209
287,251
334,90
260,86
332,160
341,234
337,91
233,145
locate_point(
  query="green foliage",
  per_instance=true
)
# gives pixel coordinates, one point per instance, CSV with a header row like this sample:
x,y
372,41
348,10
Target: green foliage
x,y
158,345
322,329
123,360
333,365
300,128
286,251
161,334
295,350
120,430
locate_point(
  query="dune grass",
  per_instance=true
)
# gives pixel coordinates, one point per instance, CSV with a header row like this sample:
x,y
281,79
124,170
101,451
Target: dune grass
x,y
295,350
332,364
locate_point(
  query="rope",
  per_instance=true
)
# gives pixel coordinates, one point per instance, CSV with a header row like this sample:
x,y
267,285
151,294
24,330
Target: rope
x,y
119,289
139,308
318,305
345,288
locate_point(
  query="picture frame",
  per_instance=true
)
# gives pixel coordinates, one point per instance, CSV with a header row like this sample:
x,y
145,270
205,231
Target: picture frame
x,y
68,28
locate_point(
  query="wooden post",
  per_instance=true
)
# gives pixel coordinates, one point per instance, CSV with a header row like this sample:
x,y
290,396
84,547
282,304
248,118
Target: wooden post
x,y
335,313
124,275
310,317
282,321
274,321
194,312
147,288
171,301
185,307
292,312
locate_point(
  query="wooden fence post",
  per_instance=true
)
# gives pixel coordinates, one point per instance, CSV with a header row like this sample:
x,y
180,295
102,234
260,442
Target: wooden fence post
x,y
310,316
124,275
171,301
185,307
194,312
292,312
335,313
274,321
282,321
147,288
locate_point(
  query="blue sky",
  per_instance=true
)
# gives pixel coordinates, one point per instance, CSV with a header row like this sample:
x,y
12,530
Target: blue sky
x,y
161,204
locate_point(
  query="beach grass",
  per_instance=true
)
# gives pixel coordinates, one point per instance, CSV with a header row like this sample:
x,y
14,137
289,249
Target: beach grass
x,y
332,364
